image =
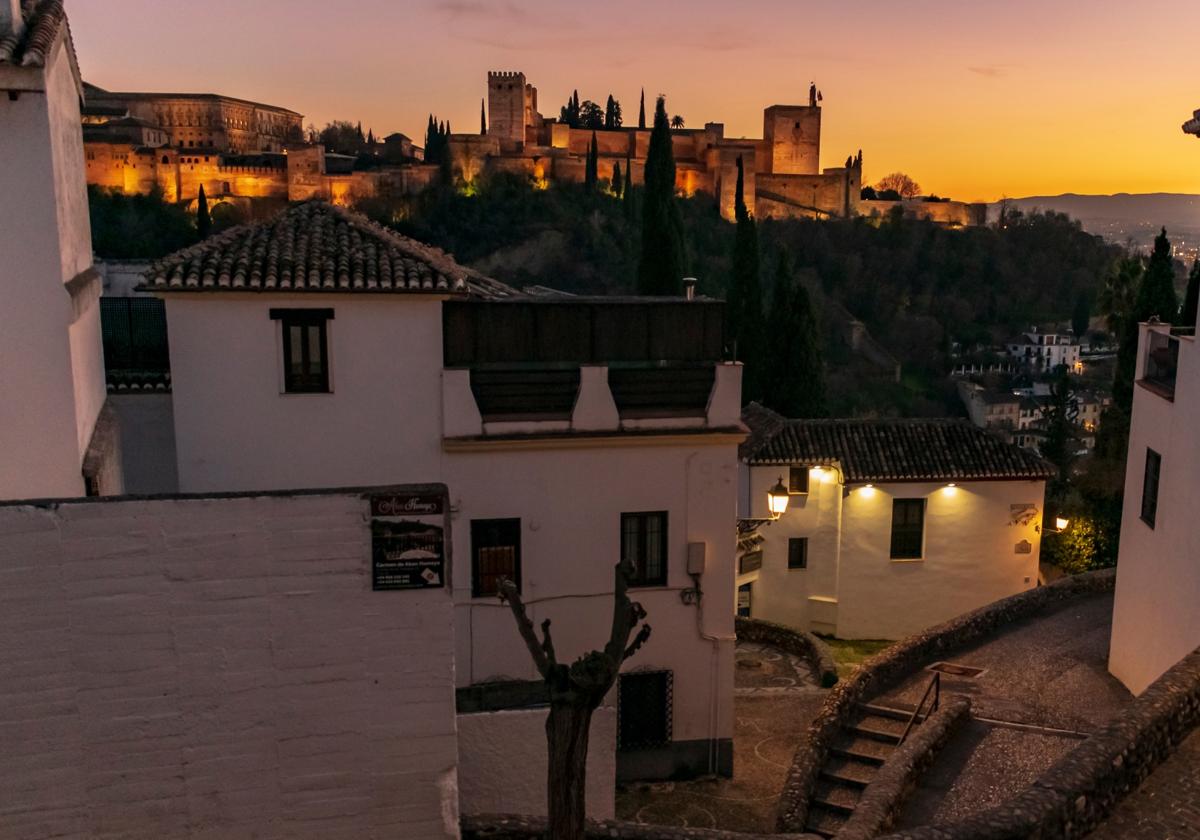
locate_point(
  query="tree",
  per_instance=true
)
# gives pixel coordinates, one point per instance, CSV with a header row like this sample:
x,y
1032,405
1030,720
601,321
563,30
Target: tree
x,y
901,183
370,137
627,198
1082,314
794,378
743,307
1191,300
226,215
618,184
660,268
591,115
867,194
1120,289
203,220
1059,415
1156,296
677,121
576,691
569,113
612,113
591,173
482,117
642,110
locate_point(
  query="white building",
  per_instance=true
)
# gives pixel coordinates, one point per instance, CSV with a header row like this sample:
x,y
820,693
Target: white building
x,y
1045,351
321,350
892,526
52,431
1156,614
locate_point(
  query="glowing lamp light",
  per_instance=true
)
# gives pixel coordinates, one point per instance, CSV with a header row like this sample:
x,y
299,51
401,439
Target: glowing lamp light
x,y
1062,524
777,499
868,490
951,488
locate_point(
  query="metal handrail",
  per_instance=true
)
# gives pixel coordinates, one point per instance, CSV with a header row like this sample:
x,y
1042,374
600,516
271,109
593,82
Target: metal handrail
x,y
935,685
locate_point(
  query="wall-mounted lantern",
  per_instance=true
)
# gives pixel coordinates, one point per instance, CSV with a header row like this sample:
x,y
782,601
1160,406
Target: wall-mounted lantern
x,y
777,499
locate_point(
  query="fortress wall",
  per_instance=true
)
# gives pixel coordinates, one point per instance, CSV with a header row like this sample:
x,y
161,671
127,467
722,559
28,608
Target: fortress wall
x,y
618,143
799,193
951,213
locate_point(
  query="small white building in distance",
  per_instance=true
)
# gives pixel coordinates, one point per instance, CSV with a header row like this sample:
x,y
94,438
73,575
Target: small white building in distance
x,y
892,526
55,437
1156,613
1045,351
321,350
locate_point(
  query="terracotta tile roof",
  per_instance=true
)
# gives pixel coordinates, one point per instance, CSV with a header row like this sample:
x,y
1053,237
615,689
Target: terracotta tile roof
x,y
890,450
30,48
316,247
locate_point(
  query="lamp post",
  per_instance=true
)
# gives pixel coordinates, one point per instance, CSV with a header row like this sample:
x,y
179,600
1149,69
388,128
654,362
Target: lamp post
x,y
777,499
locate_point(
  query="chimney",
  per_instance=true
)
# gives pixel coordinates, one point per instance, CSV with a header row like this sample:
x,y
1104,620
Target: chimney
x,y
11,19
689,288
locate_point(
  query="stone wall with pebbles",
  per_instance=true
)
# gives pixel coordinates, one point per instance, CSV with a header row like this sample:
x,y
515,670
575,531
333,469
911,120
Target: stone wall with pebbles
x,y
534,828
886,668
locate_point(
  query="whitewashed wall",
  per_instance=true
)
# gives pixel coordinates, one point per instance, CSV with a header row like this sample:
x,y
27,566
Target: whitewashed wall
x,y
1156,612
502,763
853,588
218,668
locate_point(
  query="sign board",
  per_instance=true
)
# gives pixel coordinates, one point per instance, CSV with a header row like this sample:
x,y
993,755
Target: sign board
x,y
1023,547
750,562
406,555
407,504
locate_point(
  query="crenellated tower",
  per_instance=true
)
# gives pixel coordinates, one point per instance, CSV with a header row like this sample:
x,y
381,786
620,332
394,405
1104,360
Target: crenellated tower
x,y
512,106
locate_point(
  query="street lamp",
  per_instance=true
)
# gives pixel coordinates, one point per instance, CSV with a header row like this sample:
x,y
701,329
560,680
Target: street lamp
x,y
777,499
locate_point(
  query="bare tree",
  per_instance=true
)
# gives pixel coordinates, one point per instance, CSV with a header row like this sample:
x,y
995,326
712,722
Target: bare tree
x,y
576,691
901,183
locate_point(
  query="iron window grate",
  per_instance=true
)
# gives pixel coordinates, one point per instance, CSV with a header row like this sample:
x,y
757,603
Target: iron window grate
x,y
645,701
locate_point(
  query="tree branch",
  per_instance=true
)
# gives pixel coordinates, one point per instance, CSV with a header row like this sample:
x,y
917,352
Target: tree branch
x,y
640,640
543,652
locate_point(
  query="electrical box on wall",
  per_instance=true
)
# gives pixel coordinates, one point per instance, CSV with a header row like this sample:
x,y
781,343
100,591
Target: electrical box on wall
x,y
696,553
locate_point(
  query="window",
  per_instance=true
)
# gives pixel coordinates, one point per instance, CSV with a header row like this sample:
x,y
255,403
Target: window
x,y
495,555
798,553
305,350
644,545
1150,487
644,710
908,525
798,480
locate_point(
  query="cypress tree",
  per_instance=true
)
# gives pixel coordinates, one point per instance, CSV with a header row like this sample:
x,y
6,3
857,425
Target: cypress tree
x,y
1081,315
203,220
743,307
591,174
661,265
618,185
1156,296
628,196
794,382
642,110
482,117
1187,317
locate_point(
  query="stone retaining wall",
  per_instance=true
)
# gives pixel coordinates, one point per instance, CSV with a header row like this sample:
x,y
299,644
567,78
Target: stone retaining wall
x,y
889,666
885,796
796,642
1079,791
506,827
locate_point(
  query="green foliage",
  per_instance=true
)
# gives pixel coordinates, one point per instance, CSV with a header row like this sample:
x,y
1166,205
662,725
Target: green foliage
x,y
744,304
342,137
591,175
1084,546
1061,439
137,226
203,220
570,113
612,114
1191,300
677,122
591,115
867,194
793,372
661,267
437,142
482,117
618,183
226,215
1082,313
1156,295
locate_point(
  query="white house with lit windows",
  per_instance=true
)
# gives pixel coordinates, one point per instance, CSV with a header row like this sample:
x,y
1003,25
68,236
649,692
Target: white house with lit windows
x,y
887,526
321,350
1156,611
1045,351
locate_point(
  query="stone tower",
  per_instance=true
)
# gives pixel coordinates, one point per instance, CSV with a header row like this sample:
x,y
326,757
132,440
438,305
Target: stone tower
x,y
512,103
792,139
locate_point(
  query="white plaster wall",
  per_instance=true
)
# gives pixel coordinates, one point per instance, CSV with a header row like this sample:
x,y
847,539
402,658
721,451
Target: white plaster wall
x,y
42,238
502,763
235,430
218,668
853,588
1156,617
570,502
87,368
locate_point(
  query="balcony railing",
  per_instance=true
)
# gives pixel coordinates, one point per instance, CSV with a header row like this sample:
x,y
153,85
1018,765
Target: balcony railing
x,y
1162,363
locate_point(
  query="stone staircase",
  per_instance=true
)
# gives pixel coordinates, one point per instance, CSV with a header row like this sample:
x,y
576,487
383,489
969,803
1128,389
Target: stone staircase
x,y
866,740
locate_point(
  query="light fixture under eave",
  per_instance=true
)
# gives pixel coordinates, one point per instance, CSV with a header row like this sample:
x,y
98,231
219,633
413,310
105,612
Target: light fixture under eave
x,y
777,499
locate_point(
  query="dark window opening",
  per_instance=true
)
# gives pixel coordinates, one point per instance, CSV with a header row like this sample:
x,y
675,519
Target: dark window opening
x,y
305,349
644,701
745,600
798,553
798,480
644,546
908,528
495,555
1150,487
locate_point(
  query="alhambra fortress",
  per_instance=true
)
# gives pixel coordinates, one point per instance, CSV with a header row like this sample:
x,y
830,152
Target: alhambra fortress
x,y
243,152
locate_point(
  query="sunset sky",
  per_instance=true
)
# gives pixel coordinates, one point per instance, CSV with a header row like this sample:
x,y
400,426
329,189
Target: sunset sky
x,y
976,100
